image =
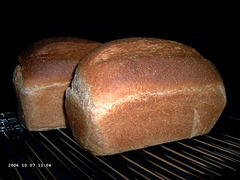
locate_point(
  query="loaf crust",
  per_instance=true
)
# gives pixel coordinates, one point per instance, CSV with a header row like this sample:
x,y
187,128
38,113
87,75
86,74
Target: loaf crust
x,y
45,71
138,92
53,60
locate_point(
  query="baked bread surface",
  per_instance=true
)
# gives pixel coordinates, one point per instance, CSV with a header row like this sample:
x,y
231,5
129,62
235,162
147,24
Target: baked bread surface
x,y
132,93
45,71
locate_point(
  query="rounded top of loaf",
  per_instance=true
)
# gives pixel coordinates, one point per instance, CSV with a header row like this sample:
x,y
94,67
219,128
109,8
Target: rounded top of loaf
x,y
127,67
53,60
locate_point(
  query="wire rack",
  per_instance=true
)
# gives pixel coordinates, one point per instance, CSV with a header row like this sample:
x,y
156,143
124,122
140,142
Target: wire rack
x,y
54,154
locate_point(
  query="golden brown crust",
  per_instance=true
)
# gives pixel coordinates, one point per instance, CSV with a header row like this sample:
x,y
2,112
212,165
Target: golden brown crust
x,y
44,73
142,65
53,60
140,92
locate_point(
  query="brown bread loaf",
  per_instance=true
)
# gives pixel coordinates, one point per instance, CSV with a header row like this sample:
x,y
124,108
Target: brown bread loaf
x,y
132,93
44,73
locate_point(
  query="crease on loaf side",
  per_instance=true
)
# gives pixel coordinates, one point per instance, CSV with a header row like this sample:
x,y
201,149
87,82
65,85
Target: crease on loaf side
x,y
101,109
19,81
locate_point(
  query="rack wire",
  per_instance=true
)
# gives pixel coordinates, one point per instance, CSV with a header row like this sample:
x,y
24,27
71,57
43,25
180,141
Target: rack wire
x,y
55,154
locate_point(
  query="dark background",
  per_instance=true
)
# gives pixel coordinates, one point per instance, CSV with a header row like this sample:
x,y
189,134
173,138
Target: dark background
x,y
212,31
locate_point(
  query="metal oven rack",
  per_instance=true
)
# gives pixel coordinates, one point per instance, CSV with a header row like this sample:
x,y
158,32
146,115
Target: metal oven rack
x,y
54,154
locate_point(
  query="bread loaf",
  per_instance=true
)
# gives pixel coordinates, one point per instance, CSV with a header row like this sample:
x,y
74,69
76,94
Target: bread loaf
x,y
44,73
133,93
